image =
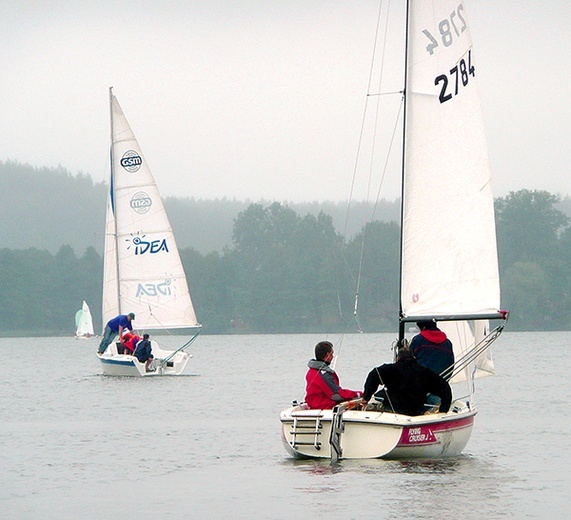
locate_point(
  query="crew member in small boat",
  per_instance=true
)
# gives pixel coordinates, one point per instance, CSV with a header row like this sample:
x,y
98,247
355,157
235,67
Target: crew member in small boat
x,y
130,340
322,388
406,385
143,352
115,327
432,348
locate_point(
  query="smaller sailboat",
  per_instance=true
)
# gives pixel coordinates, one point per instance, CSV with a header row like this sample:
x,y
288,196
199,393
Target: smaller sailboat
x,y
143,272
84,323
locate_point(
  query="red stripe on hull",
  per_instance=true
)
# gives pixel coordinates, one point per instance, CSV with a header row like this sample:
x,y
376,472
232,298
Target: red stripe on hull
x,y
425,434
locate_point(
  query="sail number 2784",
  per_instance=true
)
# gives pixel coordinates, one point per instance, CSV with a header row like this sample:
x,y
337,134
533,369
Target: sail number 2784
x,y
449,29
459,75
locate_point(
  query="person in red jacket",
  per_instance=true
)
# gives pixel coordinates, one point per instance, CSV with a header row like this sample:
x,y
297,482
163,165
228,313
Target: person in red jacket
x,y
322,390
129,341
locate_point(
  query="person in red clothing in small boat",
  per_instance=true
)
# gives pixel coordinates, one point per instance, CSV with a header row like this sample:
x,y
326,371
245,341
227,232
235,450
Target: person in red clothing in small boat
x,y
322,390
130,341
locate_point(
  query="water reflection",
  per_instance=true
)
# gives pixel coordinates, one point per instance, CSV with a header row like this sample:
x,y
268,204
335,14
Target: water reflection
x,y
446,488
315,466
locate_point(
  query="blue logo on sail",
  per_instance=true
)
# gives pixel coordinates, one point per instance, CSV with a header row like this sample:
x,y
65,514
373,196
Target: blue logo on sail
x,y
131,161
154,289
143,246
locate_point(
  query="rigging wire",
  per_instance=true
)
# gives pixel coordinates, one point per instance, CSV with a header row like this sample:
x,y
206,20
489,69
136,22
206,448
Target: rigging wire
x,y
358,277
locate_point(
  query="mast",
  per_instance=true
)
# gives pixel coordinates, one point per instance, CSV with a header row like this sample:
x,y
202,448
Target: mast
x,y
401,322
112,196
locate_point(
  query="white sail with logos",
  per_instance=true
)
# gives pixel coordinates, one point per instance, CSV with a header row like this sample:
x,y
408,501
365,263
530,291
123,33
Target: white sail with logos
x,y
449,256
143,273
143,269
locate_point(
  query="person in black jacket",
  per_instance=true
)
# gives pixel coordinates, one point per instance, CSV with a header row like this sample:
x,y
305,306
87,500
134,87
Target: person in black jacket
x,y
143,352
406,385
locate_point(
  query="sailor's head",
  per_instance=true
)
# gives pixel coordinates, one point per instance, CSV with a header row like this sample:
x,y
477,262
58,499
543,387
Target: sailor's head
x,y
324,351
131,316
404,353
426,324
145,336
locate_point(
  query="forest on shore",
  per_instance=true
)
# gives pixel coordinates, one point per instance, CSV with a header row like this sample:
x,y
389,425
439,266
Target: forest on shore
x,y
275,267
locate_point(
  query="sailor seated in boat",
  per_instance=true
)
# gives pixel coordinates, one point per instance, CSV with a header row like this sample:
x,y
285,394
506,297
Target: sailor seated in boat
x,y
432,348
322,383
406,384
143,352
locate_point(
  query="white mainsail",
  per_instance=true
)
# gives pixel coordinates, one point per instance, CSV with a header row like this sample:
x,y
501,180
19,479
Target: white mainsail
x,y
449,257
143,272
84,321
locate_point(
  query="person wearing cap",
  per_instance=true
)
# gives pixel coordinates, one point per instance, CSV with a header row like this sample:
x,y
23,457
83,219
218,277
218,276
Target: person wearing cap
x,y
406,384
115,327
143,352
322,383
432,348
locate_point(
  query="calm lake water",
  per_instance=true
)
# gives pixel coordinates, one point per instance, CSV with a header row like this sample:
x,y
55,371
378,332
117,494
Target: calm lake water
x,y
75,444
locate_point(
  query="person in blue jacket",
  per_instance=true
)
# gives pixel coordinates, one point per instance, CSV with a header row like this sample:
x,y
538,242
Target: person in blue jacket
x,y
432,349
115,327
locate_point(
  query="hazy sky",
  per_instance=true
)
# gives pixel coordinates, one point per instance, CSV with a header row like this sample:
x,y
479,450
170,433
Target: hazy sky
x,y
261,98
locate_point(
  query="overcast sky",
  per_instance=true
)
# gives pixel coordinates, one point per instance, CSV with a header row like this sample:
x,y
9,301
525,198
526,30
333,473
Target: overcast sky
x,y
261,98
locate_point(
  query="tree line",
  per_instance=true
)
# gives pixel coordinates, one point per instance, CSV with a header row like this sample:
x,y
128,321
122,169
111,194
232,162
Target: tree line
x,y
285,272
48,207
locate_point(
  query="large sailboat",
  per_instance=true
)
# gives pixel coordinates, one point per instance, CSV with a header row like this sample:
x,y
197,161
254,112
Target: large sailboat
x,y
449,265
143,272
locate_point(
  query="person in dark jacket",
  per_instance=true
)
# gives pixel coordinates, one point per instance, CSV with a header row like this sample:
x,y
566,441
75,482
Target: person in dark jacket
x,y
406,385
143,352
322,383
432,349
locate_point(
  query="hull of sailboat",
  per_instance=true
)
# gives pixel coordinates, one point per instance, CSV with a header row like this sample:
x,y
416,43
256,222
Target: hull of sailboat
x,y
165,363
370,435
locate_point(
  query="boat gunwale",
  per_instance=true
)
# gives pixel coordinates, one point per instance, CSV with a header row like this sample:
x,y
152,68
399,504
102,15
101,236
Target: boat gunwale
x,y
385,418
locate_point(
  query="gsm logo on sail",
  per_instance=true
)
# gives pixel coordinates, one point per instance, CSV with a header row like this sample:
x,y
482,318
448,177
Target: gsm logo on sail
x,y
131,161
141,202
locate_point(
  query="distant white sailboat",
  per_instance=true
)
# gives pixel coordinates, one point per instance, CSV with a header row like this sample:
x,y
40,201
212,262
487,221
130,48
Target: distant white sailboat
x,y
84,323
143,272
449,263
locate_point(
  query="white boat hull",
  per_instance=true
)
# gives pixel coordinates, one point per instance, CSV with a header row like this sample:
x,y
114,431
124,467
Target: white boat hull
x,y
114,364
369,435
